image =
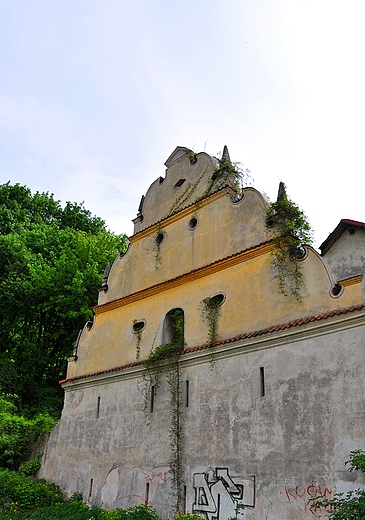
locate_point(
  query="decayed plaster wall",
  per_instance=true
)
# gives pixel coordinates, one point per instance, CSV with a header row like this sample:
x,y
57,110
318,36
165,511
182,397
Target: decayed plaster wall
x,y
271,423
283,447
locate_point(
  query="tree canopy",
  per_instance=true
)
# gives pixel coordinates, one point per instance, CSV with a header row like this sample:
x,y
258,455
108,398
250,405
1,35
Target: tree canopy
x,y
52,260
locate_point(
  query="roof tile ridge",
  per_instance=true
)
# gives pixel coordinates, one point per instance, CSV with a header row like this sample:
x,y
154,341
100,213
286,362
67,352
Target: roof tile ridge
x,y
274,328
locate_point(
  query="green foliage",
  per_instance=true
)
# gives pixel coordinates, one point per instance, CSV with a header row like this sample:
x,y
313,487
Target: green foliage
x,y
209,310
237,511
138,512
29,468
26,498
349,506
189,516
234,171
137,329
291,232
18,435
18,493
51,262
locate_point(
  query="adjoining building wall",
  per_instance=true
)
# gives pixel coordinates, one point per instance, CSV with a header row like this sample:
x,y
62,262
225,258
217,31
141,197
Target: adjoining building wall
x,y
270,411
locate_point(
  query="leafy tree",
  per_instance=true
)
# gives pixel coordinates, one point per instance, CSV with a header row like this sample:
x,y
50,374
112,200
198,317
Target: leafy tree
x,y
349,506
51,262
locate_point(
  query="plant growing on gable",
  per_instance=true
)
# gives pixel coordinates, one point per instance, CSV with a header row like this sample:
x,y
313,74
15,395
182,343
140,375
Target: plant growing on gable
x,y
231,171
165,359
291,232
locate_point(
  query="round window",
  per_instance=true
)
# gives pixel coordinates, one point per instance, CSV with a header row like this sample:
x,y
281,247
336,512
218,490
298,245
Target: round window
x,y
138,326
159,238
193,222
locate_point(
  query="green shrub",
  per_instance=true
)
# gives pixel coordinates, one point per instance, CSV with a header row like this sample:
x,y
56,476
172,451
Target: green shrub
x,y
18,434
19,493
138,512
29,468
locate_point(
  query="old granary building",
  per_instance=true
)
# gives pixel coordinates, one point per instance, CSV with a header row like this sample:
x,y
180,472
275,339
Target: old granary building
x,y
199,385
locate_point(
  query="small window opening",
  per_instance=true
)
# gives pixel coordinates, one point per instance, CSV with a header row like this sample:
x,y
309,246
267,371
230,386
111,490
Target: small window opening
x,y
160,180
98,408
184,499
336,289
138,326
159,238
147,493
216,300
351,231
193,158
262,381
297,252
173,328
193,222
179,183
90,489
152,399
187,393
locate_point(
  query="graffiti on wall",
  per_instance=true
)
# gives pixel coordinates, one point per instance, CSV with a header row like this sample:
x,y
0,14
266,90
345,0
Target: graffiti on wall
x,y
217,493
305,494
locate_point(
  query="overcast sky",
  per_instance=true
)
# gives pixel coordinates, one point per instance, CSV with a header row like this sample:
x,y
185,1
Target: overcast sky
x,y
96,94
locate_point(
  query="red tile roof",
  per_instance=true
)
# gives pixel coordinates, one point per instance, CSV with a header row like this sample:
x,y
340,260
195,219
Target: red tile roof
x,y
268,330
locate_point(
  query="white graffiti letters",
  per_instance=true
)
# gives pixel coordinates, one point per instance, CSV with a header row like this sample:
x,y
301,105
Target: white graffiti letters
x,y
217,494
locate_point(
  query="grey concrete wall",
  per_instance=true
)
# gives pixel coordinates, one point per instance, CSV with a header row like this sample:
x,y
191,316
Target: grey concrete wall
x,y
270,452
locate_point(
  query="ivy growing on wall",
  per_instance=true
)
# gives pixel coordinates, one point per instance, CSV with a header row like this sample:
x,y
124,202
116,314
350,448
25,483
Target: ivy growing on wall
x,y
165,359
291,232
209,311
138,326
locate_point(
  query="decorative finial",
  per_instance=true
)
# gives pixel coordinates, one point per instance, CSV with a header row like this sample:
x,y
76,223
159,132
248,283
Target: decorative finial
x,y
225,155
282,192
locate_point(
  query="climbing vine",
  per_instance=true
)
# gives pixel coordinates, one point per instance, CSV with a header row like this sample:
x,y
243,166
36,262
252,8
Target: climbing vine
x,y
158,238
138,326
209,311
291,232
166,359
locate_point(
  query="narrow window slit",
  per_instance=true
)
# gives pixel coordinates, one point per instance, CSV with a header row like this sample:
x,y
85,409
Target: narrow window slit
x,y
262,381
184,498
98,408
187,393
147,493
152,399
91,488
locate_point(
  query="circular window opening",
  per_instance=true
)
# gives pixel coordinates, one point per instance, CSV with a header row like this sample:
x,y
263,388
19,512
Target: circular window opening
x,y
298,252
193,222
89,325
159,238
138,326
336,290
216,300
